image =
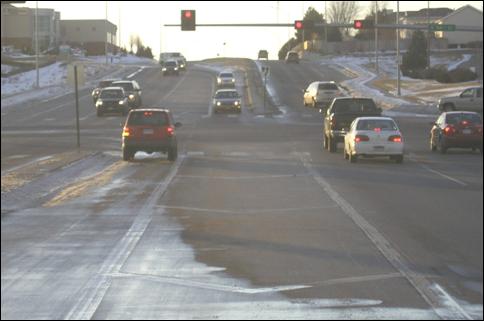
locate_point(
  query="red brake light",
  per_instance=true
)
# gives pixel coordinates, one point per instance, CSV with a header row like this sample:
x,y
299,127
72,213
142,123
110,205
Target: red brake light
x,y
377,129
170,131
126,131
465,123
361,138
148,113
449,130
395,139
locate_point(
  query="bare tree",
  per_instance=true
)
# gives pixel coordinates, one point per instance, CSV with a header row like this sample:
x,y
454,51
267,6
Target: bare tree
x,y
343,11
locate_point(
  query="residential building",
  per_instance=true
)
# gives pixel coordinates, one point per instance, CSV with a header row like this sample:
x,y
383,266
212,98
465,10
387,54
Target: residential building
x,y
465,16
421,17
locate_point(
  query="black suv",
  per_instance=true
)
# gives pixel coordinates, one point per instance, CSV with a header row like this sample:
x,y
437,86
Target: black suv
x,y
102,84
150,130
170,67
341,114
112,99
132,91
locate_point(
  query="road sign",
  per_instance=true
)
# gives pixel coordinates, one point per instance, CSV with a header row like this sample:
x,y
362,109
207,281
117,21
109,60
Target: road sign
x,y
80,75
439,27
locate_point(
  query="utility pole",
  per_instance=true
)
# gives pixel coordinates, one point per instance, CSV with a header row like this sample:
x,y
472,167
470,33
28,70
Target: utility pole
x,y
376,37
398,50
325,27
106,34
428,34
37,82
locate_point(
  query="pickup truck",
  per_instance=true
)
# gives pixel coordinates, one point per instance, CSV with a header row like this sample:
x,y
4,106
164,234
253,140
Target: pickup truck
x,y
340,115
469,100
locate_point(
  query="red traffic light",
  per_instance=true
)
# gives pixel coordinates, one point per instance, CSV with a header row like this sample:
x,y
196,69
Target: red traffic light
x,y
298,25
358,24
187,14
188,20
363,24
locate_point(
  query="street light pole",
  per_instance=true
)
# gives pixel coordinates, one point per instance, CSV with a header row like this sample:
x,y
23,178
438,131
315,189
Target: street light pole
x,y
106,34
376,37
398,50
37,82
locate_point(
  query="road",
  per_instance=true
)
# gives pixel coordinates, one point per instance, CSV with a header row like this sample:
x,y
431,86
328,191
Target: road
x,y
254,219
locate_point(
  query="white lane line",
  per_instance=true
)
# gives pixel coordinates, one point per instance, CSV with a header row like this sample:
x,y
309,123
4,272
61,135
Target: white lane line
x,y
418,281
209,286
451,302
91,295
242,177
173,89
455,180
135,73
246,211
87,116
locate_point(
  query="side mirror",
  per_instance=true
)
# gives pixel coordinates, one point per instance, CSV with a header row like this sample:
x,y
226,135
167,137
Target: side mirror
x,y
178,125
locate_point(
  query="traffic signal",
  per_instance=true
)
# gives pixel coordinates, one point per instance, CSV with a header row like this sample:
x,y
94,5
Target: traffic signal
x,y
363,24
303,24
188,20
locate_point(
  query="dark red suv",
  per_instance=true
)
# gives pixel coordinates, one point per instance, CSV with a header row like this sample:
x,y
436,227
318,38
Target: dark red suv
x,y
150,130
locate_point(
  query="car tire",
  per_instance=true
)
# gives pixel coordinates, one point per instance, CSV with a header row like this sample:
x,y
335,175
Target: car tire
x,y
353,158
127,154
398,159
442,147
331,145
345,154
172,154
99,113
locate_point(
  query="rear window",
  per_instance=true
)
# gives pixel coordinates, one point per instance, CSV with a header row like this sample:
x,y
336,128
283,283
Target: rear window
x,y
227,94
371,124
455,119
353,106
106,94
149,118
226,75
127,86
328,87
105,83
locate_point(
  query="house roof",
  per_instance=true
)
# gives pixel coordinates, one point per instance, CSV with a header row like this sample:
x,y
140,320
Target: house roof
x,y
468,6
433,12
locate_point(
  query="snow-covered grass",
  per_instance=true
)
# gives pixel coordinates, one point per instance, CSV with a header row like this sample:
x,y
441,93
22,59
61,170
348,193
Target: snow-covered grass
x,y
52,79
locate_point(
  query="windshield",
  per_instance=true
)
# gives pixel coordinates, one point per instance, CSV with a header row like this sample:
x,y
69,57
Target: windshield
x,y
170,64
353,105
127,86
455,119
328,87
107,94
227,94
148,118
226,75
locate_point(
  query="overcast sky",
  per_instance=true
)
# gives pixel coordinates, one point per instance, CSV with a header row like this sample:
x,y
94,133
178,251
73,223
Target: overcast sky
x,y
147,19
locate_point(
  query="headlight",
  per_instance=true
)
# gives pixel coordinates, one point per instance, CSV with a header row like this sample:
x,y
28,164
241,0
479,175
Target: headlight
x,y
219,103
176,68
219,80
121,102
131,97
99,103
236,103
163,69
233,80
95,93
181,66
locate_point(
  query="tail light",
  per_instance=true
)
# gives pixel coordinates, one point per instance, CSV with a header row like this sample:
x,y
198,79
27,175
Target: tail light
x,y
377,129
170,131
464,123
361,138
395,139
126,132
449,130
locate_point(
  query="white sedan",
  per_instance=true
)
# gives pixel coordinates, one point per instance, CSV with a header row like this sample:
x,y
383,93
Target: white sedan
x,y
374,136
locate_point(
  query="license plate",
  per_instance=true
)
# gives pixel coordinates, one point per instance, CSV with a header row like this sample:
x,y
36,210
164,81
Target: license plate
x,y
148,131
466,131
379,148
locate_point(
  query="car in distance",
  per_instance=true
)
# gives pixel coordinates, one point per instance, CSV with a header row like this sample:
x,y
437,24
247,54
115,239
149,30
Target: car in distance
x,y
226,79
339,116
149,130
227,99
102,84
456,129
292,57
373,137
132,91
263,54
112,99
469,100
321,93
170,67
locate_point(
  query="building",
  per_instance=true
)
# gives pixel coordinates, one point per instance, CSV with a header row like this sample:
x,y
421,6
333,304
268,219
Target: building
x,y
18,28
465,16
420,18
89,35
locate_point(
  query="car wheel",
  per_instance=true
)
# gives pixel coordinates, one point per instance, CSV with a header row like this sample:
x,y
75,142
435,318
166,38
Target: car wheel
x,y
353,158
172,154
331,145
398,159
99,113
345,154
442,146
127,154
